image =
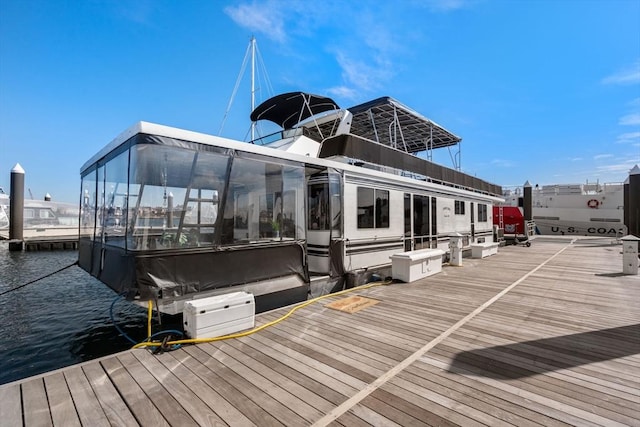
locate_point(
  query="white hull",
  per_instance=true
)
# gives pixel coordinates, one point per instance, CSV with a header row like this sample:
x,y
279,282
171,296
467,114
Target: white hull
x,y
577,209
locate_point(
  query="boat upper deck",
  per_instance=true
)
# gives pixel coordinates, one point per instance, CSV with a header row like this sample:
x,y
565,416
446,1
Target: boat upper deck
x,y
547,335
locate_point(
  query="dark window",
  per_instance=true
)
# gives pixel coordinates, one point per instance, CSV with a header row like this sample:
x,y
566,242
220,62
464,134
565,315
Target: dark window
x,y
421,222
382,208
482,213
459,207
318,206
434,218
373,208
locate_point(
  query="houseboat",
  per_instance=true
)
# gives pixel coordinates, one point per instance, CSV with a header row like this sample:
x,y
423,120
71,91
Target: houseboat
x,y
170,215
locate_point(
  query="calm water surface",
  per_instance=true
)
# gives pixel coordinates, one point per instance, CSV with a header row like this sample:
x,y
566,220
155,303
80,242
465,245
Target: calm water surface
x,y
58,321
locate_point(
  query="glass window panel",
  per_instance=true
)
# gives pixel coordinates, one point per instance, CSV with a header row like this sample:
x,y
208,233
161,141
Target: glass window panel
x,y
159,177
482,212
365,207
249,178
421,221
88,206
318,206
335,189
265,201
100,204
382,209
116,199
293,218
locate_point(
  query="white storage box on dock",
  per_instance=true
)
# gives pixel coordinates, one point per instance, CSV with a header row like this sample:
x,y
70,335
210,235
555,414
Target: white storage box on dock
x,y
415,265
219,315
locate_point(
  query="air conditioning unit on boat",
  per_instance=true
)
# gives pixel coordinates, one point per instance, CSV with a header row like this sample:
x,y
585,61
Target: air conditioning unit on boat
x,y
219,315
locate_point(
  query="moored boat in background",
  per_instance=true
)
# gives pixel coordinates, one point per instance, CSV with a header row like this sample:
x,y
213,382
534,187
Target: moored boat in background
x,y
41,213
590,209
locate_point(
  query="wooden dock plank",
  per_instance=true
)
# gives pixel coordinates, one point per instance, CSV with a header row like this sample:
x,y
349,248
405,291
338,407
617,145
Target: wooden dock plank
x,y
11,404
242,403
227,412
342,384
61,405
293,376
114,407
87,405
247,366
540,336
186,398
160,392
545,404
582,377
143,409
35,404
263,398
426,374
402,411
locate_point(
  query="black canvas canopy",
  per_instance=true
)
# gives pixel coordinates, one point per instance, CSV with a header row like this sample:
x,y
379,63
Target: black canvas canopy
x,y
291,108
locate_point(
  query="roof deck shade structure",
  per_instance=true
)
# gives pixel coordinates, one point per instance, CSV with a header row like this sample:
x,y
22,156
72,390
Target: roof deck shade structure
x,y
391,123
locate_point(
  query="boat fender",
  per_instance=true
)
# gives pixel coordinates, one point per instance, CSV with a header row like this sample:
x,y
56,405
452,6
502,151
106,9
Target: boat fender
x,y
593,203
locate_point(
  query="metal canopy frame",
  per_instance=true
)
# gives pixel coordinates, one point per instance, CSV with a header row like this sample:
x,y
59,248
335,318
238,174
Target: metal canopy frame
x,y
391,123
383,120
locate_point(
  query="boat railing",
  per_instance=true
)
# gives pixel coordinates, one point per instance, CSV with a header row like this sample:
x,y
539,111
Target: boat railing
x,y
278,136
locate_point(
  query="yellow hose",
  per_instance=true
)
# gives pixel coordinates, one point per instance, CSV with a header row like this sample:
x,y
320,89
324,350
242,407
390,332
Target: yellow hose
x,y
259,328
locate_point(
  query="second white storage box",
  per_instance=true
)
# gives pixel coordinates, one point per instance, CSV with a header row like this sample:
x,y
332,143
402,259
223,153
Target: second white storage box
x,y
219,315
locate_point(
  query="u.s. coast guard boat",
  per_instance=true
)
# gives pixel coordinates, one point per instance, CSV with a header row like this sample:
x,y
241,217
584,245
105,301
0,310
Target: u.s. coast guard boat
x,y
590,209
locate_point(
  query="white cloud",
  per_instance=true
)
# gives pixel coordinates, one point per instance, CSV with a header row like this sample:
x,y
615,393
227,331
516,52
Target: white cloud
x,y
635,102
361,75
342,92
445,5
502,163
264,18
602,156
575,159
139,12
629,75
628,137
616,167
630,119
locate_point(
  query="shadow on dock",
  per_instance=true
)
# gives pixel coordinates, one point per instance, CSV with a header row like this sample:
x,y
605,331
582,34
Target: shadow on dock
x,y
535,357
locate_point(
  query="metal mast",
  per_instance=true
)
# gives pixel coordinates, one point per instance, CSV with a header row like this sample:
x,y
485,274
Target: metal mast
x,y
257,63
253,84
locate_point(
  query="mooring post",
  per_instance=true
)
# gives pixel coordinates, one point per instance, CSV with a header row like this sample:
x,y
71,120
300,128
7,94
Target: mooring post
x,y
528,202
630,254
633,224
455,246
625,204
16,209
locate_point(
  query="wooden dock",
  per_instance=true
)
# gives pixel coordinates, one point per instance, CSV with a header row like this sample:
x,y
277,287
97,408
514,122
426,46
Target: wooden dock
x,y
546,336
46,239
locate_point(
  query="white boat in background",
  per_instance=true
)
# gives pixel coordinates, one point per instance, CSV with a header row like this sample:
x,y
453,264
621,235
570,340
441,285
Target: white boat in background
x,y
41,213
590,209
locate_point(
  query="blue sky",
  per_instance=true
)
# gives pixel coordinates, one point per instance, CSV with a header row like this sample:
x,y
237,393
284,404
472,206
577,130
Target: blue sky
x,y
545,91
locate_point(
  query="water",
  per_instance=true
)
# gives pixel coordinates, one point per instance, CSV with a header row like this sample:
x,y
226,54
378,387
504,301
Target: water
x,y
58,321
